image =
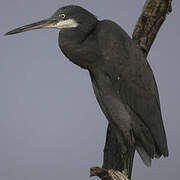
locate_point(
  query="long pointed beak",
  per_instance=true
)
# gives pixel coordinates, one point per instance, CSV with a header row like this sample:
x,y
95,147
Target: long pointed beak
x,y
47,23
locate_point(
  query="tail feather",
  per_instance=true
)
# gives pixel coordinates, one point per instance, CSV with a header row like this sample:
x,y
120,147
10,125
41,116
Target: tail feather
x,y
144,156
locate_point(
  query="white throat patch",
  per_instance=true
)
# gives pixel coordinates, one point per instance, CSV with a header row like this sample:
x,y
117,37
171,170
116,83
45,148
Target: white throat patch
x,y
69,23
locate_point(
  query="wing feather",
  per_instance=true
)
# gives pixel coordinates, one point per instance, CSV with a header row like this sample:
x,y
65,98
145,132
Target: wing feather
x,y
132,78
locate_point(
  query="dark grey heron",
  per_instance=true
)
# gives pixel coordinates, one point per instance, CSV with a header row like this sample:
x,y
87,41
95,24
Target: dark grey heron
x,y
122,80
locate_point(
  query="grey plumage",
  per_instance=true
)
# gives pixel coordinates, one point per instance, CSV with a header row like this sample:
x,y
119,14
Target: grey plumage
x,y
122,80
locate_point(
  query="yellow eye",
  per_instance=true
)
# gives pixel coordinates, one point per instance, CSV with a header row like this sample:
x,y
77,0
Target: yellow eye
x,y
62,16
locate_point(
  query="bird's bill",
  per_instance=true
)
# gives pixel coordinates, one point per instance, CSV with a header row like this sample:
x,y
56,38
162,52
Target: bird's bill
x,y
52,22
47,23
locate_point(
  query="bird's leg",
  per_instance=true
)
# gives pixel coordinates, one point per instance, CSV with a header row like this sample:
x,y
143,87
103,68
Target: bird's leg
x,y
125,172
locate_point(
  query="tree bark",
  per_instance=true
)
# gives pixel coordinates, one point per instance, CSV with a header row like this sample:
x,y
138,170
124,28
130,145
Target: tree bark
x,y
153,15
107,174
147,26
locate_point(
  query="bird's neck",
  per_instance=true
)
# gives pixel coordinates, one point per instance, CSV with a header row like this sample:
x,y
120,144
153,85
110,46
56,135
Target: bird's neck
x,y
77,35
71,36
77,43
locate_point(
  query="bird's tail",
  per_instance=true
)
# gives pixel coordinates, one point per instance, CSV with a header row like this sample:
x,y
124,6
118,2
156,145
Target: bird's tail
x,y
113,155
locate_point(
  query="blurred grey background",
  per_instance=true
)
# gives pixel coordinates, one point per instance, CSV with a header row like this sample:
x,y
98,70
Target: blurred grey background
x,y
51,126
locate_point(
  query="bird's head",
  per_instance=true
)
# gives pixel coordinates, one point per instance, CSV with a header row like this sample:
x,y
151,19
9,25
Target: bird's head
x,y
66,17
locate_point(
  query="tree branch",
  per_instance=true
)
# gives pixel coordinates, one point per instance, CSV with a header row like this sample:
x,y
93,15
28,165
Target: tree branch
x,y
152,17
107,174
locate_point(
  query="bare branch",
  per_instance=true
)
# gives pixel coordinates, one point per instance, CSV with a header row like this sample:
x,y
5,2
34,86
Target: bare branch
x,y
107,174
153,15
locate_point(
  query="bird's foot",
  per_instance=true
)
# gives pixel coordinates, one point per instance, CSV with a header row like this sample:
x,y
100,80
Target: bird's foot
x,y
124,172
105,174
117,175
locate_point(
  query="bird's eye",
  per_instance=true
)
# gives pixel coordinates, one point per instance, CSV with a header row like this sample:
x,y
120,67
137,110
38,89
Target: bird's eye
x,y
62,16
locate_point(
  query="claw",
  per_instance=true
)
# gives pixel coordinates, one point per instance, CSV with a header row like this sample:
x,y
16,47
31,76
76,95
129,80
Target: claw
x,y
125,172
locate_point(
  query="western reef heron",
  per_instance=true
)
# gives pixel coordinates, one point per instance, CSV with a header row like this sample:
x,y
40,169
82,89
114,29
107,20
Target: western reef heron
x,y
122,80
